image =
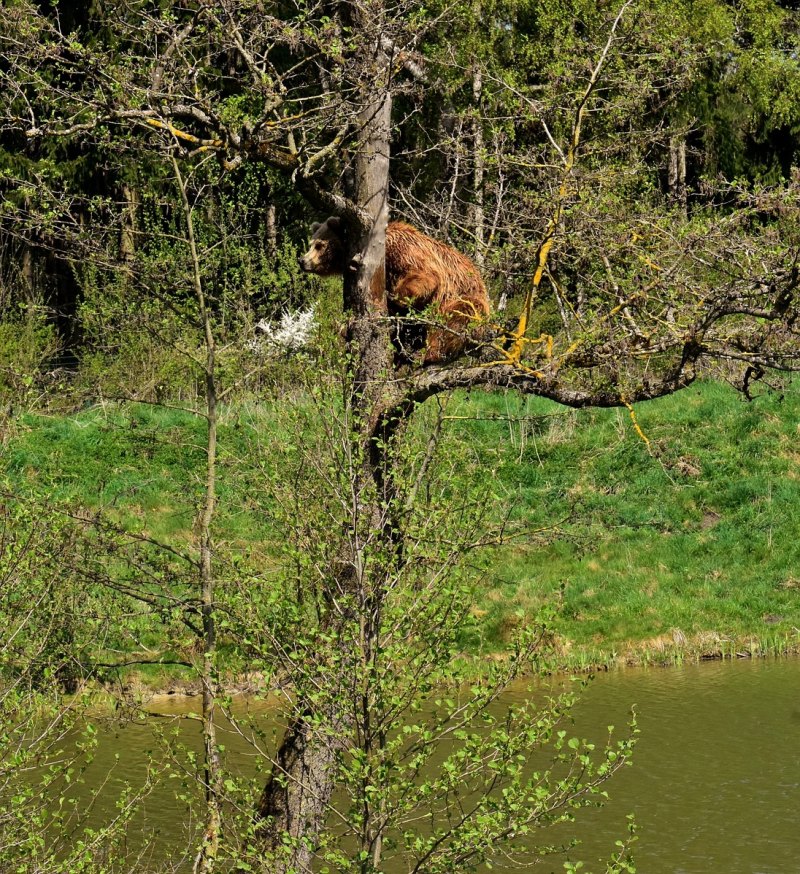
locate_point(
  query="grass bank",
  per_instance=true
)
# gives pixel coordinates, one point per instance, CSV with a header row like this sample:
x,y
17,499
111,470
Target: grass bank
x,y
686,546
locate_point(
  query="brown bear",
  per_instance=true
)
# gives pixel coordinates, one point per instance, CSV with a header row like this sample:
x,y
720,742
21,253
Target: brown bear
x,y
421,273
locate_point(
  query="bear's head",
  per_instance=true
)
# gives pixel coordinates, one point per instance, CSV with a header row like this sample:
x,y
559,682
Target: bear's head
x,y
326,255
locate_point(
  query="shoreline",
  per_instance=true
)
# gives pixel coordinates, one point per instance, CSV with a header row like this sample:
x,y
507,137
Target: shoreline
x,y
669,650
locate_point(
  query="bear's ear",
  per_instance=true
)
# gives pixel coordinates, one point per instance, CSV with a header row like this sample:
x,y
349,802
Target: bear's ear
x,y
315,227
334,223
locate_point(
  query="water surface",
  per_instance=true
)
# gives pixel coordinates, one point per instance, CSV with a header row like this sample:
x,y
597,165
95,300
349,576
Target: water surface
x,y
715,784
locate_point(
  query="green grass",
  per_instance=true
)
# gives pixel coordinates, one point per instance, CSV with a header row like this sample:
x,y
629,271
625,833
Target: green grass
x,y
142,466
687,547
690,544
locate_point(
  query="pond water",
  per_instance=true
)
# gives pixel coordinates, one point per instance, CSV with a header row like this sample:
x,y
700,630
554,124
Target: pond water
x,y
715,784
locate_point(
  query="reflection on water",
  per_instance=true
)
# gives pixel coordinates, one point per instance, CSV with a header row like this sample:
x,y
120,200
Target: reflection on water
x,y
715,784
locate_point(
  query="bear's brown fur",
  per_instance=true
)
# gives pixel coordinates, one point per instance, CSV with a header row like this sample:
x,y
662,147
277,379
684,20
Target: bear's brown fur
x,y
421,273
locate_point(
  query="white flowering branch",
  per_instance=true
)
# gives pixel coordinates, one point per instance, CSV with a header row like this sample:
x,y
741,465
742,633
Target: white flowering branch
x,y
292,333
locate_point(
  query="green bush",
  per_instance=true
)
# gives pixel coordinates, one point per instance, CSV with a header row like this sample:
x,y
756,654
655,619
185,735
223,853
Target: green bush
x,y
27,342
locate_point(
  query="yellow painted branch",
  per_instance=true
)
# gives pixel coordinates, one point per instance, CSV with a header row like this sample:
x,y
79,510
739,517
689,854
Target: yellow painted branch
x,y
549,237
636,427
182,135
554,224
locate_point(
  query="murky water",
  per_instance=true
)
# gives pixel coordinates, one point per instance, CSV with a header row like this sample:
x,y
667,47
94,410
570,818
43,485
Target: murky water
x,y
715,786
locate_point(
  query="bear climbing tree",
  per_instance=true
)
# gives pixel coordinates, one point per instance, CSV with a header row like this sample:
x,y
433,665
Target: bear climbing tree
x,y
422,274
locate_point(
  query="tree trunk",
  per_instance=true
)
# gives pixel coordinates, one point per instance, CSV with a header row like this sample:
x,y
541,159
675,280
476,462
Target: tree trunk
x,y
271,231
478,168
295,800
677,171
294,803
206,858
28,273
127,234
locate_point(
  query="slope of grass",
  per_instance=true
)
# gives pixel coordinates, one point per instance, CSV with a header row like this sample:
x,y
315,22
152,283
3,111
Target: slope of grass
x,y
690,544
142,466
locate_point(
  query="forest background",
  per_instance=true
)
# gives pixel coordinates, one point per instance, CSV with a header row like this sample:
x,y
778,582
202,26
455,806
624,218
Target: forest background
x,y
176,467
